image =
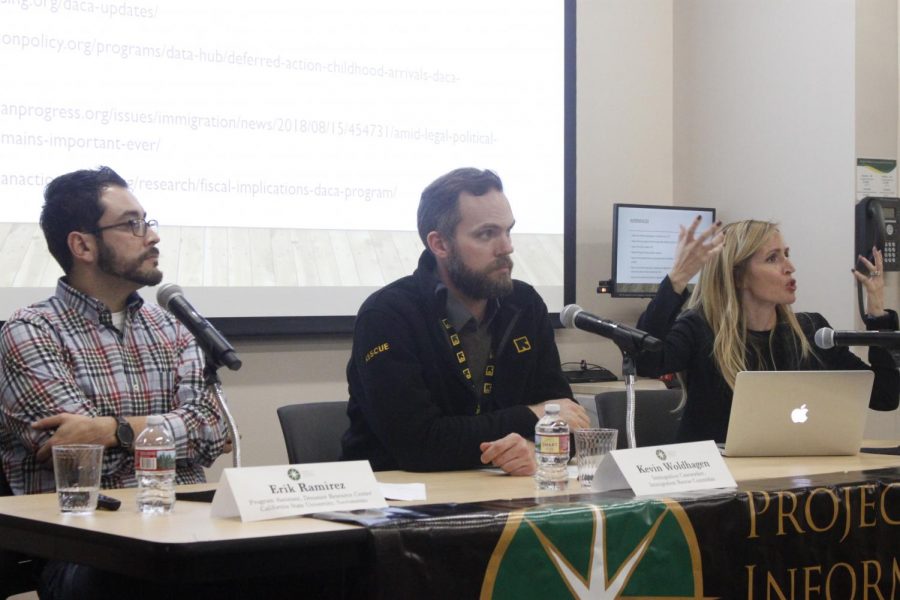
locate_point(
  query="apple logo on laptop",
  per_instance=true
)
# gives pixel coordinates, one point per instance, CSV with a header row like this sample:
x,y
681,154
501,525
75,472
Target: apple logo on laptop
x,y
798,415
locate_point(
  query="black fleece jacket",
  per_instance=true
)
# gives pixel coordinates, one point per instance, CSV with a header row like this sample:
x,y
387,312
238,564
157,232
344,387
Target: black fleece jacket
x,y
688,346
411,408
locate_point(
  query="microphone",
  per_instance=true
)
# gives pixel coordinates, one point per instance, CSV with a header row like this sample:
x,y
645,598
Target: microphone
x,y
829,338
217,349
627,338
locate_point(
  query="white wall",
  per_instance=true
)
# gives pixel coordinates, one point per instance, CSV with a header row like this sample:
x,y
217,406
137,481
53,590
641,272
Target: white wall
x,y
747,105
876,78
764,128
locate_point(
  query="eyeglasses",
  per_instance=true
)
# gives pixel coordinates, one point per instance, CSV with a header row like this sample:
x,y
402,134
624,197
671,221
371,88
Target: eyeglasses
x,y
139,227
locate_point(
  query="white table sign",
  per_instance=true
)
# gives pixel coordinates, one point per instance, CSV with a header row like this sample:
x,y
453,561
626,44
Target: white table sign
x,y
259,493
663,469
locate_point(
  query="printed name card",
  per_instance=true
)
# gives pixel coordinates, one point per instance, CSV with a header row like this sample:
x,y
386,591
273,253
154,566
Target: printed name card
x,y
664,469
259,493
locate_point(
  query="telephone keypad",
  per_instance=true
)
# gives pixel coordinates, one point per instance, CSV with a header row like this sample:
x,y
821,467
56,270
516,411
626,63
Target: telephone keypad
x,y
890,251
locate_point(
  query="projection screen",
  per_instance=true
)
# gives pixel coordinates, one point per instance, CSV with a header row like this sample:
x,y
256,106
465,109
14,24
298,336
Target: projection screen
x,y
283,146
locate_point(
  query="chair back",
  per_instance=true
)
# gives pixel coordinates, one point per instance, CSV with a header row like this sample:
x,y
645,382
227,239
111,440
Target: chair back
x,y
5,490
16,576
313,431
656,420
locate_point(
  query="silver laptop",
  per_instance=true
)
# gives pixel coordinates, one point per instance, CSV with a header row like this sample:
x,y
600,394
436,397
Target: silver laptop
x,y
798,413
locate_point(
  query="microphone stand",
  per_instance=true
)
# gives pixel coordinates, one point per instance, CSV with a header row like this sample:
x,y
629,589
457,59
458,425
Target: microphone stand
x,y
630,342
629,370
214,384
631,348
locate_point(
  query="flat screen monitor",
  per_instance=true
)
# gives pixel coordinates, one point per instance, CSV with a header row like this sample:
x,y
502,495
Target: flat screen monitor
x,y
644,240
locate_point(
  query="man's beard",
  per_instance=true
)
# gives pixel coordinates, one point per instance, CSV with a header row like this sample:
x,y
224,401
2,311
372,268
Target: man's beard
x,y
480,285
132,271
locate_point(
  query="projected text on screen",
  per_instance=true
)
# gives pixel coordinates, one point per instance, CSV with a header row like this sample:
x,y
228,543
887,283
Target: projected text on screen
x,y
282,146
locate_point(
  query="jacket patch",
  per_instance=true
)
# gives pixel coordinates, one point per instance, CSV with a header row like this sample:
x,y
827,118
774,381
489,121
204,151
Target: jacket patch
x,y
522,344
377,350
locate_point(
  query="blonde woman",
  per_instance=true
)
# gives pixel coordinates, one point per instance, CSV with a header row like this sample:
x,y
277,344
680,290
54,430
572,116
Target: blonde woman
x,y
739,318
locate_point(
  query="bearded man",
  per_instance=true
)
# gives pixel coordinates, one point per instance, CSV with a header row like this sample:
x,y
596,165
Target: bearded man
x,y
89,364
452,365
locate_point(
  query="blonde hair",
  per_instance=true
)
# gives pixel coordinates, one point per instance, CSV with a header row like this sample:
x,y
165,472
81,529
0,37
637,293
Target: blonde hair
x,y
716,298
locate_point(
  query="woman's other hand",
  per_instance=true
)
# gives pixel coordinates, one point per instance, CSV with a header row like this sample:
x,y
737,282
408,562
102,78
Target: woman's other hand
x,y
873,282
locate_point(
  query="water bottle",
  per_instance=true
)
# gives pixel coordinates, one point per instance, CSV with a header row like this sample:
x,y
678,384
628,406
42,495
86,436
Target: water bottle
x,y
154,465
551,450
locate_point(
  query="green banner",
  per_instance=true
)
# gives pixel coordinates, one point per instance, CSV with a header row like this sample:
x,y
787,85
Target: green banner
x,y
833,536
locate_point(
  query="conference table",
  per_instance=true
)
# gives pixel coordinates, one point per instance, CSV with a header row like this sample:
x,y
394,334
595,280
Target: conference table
x,y
828,522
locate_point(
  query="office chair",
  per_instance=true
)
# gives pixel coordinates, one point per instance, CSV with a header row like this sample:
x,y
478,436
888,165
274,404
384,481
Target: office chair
x,y
655,423
16,575
313,431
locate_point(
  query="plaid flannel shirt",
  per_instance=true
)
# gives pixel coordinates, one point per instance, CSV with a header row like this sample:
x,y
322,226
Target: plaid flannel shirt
x,y
64,355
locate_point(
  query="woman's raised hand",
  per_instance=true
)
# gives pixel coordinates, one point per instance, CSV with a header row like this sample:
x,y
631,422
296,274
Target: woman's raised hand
x,y
693,251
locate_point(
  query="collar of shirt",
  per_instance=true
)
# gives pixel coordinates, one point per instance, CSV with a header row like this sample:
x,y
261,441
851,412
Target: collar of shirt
x,y
91,308
457,313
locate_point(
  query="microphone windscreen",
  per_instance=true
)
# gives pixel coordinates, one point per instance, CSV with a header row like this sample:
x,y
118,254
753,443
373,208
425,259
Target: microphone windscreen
x,y
825,338
567,315
166,292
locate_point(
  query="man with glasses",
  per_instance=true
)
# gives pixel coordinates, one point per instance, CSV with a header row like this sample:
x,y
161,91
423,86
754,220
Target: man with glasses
x,y
89,364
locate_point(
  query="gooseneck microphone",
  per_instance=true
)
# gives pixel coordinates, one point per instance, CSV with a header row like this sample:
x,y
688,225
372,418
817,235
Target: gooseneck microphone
x,y
218,350
829,338
627,338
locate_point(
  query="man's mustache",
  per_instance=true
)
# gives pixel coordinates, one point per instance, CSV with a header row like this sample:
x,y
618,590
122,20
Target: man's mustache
x,y
503,261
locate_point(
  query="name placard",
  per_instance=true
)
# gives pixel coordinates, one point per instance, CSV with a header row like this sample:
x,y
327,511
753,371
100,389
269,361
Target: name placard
x,y
664,469
259,493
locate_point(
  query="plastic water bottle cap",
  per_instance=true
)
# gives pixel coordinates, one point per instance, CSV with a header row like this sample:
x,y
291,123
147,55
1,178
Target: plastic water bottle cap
x,y
551,408
155,420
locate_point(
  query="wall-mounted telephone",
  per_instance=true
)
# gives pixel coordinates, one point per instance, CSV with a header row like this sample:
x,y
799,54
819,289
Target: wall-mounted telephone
x,y
877,225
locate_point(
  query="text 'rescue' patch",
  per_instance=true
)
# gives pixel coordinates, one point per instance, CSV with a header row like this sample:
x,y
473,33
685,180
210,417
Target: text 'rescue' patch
x,y
384,347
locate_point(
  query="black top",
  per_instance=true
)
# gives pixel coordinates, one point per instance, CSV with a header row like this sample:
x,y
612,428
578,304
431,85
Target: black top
x,y
411,406
688,347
